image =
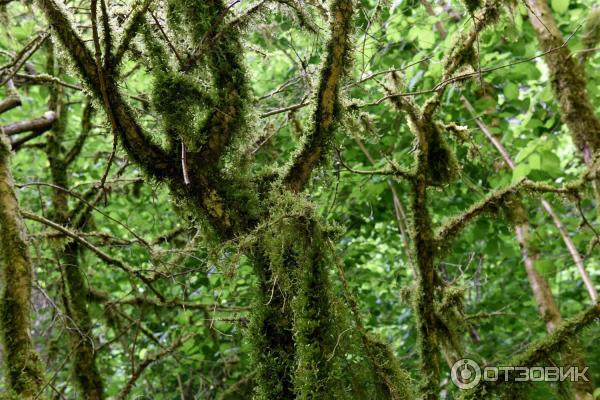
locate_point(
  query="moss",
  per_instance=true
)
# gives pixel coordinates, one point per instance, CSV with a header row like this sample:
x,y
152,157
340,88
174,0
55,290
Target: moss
x,y
22,366
327,108
472,5
590,35
463,51
392,381
442,163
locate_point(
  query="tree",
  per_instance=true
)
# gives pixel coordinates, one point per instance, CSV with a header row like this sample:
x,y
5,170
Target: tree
x,y
307,336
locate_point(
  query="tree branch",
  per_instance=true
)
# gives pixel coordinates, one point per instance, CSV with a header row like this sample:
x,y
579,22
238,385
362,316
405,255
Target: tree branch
x,y
148,361
147,154
327,99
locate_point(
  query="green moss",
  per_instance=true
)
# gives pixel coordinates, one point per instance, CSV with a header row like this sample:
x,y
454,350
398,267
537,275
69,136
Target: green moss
x,y
442,163
328,109
590,35
472,5
23,370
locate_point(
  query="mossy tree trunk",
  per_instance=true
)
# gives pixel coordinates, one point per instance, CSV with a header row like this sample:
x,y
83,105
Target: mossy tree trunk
x,y
75,292
567,77
549,311
23,371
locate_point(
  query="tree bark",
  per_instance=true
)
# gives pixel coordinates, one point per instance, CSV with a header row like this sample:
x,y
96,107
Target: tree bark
x,y
23,370
550,312
568,82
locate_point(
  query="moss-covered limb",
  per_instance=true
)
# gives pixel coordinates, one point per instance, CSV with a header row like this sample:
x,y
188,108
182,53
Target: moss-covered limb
x,y
132,26
271,335
423,298
391,380
540,351
463,52
298,261
23,371
317,369
494,204
82,343
547,306
327,97
435,157
451,322
567,78
147,154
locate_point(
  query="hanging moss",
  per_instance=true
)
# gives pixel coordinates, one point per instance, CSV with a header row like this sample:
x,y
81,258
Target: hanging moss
x,y
442,163
590,35
472,5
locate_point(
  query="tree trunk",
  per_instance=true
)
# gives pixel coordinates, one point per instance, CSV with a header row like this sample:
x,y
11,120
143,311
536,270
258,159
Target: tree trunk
x,y
550,312
568,84
23,370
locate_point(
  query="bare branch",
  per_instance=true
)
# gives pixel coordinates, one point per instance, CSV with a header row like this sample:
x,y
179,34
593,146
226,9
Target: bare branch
x,y
148,361
43,123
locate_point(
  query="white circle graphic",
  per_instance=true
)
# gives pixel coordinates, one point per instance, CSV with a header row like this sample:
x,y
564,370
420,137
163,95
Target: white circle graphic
x,y
466,374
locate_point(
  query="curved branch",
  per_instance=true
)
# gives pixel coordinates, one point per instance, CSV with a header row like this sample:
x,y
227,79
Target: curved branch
x,y
327,108
493,204
147,154
539,351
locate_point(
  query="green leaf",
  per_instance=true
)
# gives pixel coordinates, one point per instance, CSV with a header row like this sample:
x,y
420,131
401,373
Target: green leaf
x,y
426,38
511,91
560,6
520,172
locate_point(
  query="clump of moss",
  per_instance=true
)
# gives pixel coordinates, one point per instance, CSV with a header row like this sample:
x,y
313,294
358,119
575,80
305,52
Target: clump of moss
x,y
392,382
179,99
472,5
591,30
514,210
463,51
442,162
451,321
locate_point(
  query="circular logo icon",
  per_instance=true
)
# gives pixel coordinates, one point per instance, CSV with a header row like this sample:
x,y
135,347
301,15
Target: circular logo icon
x,y
466,374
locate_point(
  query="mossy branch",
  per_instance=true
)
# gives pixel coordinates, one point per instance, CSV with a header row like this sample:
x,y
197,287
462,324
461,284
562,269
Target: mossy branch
x,y
132,25
147,154
328,108
539,351
493,204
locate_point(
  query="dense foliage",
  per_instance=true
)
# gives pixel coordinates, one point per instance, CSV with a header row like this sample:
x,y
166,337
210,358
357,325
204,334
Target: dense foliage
x,y
275,199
